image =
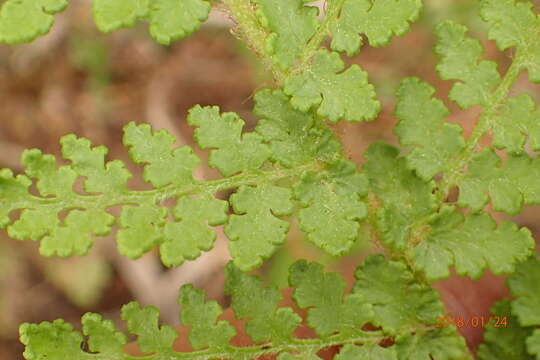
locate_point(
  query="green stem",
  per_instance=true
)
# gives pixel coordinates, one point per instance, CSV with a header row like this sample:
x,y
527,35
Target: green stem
x,y
253,33
332,13
104,201
257,351
492,107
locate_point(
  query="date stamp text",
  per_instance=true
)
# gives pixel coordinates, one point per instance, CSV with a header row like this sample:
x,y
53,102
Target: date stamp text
x,y
479,321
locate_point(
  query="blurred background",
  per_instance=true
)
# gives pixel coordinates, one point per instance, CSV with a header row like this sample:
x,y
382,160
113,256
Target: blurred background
x,y
77,80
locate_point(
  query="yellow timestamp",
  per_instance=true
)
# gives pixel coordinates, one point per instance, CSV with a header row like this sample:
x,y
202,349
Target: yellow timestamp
x,y
479,321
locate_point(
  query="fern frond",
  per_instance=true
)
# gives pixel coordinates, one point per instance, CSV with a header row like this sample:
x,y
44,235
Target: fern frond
x,y
439,148
515,24
251,163
338,320
434,236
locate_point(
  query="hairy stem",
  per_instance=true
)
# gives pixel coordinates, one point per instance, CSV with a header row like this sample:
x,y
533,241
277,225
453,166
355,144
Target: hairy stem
x,y
250,30
257,351
492,107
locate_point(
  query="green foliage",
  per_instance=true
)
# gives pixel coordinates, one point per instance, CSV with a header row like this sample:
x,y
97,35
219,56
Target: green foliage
x,y
338,94
172,20
435,236
295,137
518,336
291,166
421,126
58,340
329,311
168,20
23,21
252,163
378,20
186,237
206,330
117,14
256,231
154,149
515,24
267,321
399,197
533,343
233,152
140,229
63,239
337,319
524,284
291,24
143,322
368,351
504,342
90,162
443,343
331,206
399,301
511,135
510,185
460,60
470,244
